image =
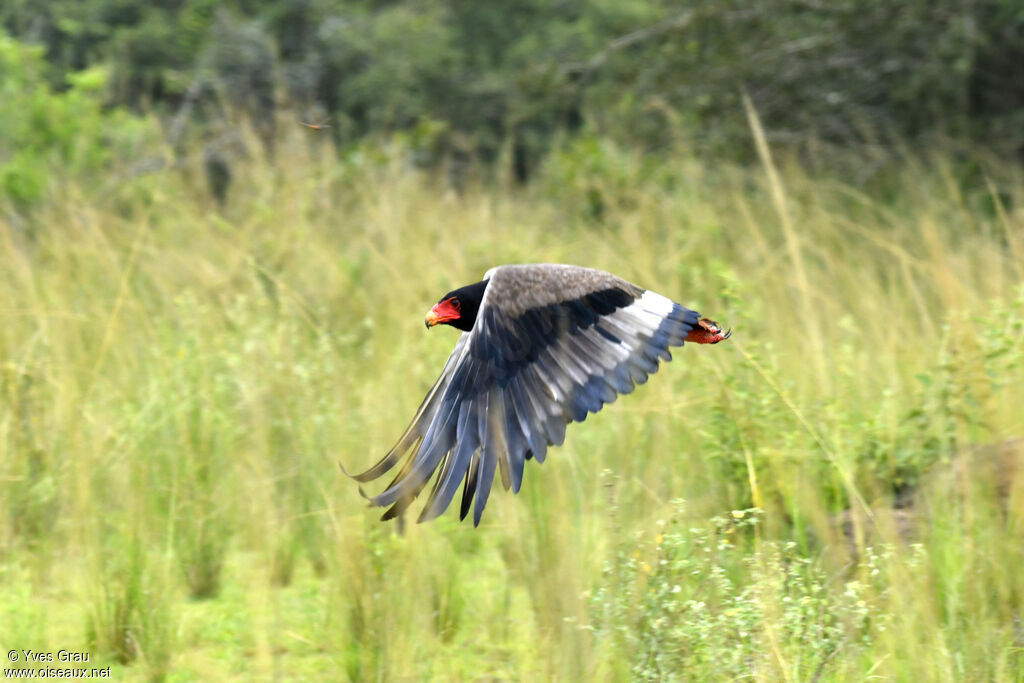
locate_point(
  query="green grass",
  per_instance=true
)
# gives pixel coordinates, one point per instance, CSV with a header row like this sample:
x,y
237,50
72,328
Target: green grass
x,y
179,383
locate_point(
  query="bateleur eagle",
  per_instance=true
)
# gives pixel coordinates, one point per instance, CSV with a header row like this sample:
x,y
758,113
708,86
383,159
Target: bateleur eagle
x,y
542,345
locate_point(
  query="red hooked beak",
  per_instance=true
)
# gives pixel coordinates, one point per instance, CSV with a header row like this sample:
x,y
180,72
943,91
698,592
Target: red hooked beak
x,y
443,311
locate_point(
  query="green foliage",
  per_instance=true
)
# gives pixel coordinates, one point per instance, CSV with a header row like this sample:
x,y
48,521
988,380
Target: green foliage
x,y
45,133
949,404
712,603
645,72
842,72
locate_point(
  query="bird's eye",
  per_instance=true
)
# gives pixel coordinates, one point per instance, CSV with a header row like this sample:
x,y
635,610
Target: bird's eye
x,y
456,303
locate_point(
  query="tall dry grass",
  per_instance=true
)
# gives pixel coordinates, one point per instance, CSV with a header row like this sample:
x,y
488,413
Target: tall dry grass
x,y
180,380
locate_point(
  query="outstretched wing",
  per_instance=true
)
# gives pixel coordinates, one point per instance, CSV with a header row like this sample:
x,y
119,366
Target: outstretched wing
x,y
514,382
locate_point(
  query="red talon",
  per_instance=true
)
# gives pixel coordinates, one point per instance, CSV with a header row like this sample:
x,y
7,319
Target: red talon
x,y
707,332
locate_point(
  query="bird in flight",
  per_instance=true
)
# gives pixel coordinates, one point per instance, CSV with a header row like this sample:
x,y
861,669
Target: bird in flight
x,y
316,126
542,345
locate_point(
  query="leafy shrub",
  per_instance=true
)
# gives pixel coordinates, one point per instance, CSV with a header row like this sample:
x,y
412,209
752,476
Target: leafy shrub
x,y
971,370
699,604
43,130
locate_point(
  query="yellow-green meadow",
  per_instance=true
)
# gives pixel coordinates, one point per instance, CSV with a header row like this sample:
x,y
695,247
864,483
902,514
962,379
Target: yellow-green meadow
x,y
832,494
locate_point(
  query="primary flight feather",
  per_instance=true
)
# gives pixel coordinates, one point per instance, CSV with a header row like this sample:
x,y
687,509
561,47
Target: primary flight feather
x,y
542,345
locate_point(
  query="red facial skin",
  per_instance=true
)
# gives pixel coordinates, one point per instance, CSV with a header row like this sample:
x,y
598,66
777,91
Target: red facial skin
x,y
444,311
707,332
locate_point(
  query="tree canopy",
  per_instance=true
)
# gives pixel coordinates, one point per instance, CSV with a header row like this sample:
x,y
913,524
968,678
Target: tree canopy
x,y
523,71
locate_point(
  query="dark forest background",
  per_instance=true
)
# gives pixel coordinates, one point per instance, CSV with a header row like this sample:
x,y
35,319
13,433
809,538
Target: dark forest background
x,y
471,79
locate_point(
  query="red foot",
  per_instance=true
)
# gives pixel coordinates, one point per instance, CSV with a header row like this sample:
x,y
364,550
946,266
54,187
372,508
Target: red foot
x,y
707,332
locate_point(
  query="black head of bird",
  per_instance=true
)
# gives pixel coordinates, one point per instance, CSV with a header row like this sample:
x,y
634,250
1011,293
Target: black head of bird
x,y
458,307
